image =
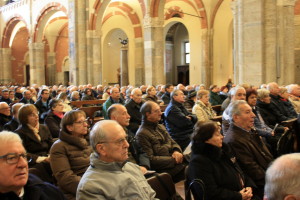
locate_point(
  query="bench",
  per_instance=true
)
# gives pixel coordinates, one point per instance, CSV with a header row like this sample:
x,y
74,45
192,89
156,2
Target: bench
x,y
85,103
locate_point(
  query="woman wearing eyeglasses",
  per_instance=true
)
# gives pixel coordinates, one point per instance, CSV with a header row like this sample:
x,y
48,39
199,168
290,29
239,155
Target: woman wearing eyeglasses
x,y
54,116
70,155
36,138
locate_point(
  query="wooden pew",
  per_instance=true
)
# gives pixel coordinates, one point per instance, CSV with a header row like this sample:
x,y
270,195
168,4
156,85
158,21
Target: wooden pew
x,y
90,113
79,104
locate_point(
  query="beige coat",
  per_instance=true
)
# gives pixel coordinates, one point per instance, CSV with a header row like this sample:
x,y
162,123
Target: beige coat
x,y
203,112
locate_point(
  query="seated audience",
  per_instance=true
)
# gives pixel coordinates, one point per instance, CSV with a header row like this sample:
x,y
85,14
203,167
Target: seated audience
x,y
236,93
179,122
182,88
161,91
251,152
287,106
54,116
133,108
190,99
87,94
5,97
99,91
18,93
223,93
282,178
110,176
166,97
27,97
151,95
118,112
164,153
213,162
63,96
70,155
114,98
13,124
202,109
294,96
42,104
106,93
214,97
12,95
36,138
15,180
5,115
75,96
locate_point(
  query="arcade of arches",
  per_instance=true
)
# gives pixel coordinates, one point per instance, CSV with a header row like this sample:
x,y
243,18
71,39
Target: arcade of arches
x,y
169,41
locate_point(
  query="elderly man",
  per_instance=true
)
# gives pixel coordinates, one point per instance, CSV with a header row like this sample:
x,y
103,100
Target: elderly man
x,y
294,91
15,182
164,153
114,98
13,124
27,97
179,122
4,114
133,107
110,176
236,93
282,178
119,113
252,154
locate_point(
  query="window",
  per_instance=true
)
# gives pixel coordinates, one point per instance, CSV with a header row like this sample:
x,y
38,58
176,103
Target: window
x,y
187,52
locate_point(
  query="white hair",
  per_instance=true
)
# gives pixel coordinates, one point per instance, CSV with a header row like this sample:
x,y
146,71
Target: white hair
x,y
9,137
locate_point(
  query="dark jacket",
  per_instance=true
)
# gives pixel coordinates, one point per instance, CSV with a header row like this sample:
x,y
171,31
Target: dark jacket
x,y
107,104
277,105
70,157
3,120
43,109
288,108
150,98
133,110
24,100
12,125
215,99
166,97
218,169
33,146
36,189
53,123
177,124
87,97
8,100
252,154
270,114
159,146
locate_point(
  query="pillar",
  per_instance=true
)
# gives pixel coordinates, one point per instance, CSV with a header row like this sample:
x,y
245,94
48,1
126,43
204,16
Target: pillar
x,y
37,63
139,62
94,65
51,68
5,62
124,65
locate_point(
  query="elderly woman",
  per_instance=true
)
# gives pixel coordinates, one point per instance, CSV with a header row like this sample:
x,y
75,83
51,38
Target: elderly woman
x,y
36,138
63,96
106,93
54,116
70,155
202,108
213,163
151,95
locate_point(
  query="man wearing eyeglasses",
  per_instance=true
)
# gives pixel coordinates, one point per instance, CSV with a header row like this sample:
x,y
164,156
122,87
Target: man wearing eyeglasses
x,y
15,182
4,114
110,176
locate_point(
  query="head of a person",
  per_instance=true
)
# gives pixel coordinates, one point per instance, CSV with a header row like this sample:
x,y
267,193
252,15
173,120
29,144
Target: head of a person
x,y
75,123
63,96
263,95
294,89
119,113
136,95
11,94
282,178
109,141
151,91
15,109
75,95
5,94
178,96
99,88
4,109
28,114
13,163
273,88
180,87
203,95
207,132
115,93
283,93
238,93
143,88
189,87
240,113
56,105
214,88
169,88
87,91
251,97
27,94
224,89
151,112
45,94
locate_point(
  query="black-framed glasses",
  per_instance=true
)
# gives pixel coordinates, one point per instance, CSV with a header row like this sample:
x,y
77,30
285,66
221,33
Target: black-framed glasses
x,y
13,158
82,122
118,142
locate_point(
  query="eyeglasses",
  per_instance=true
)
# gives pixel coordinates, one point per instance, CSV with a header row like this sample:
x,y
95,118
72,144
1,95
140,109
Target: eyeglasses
x,y
13,158
82,122
118,142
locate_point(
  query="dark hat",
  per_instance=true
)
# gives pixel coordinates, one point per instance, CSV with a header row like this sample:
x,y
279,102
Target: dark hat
x,y
192,93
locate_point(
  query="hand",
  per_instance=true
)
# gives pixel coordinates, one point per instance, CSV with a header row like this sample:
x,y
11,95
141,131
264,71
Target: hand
x,y
286,128
246,193
143,169
178,157
47,159
272,133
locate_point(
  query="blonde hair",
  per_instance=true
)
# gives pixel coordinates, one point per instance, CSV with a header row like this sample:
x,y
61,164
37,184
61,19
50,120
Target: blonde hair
x,y
201,93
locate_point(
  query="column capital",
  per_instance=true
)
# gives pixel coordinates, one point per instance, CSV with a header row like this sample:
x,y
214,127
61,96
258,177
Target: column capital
x,y
152,22
286,2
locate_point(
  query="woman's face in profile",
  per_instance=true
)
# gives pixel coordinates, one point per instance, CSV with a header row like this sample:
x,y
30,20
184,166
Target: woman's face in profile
x,y
216,139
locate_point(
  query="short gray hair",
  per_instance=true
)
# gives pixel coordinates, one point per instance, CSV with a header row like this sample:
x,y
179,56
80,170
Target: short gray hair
x,y
99,133
291,87
234,108
234,90
262,93
282,177
175,93
9,137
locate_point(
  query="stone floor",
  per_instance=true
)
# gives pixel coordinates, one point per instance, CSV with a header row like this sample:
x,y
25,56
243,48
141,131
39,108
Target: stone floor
x,y
180,188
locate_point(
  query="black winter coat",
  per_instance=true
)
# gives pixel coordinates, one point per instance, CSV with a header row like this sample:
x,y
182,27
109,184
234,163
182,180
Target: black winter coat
x,y
133,110
53,123
271,115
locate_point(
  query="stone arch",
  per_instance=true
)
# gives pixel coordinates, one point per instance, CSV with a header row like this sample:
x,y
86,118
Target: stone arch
x,y
44,13
9,29
215,12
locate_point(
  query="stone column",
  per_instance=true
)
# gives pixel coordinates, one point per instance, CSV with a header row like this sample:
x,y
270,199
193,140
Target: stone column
x,y
286,39
5,63
37,63
51,68
207,59
124,65
78,41
153,51
139,62
94,66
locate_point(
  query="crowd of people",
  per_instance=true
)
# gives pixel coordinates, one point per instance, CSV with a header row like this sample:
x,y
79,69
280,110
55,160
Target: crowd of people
x,y
163,128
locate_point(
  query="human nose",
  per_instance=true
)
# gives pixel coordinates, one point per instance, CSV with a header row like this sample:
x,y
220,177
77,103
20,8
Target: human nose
x,y
22,161
126,144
